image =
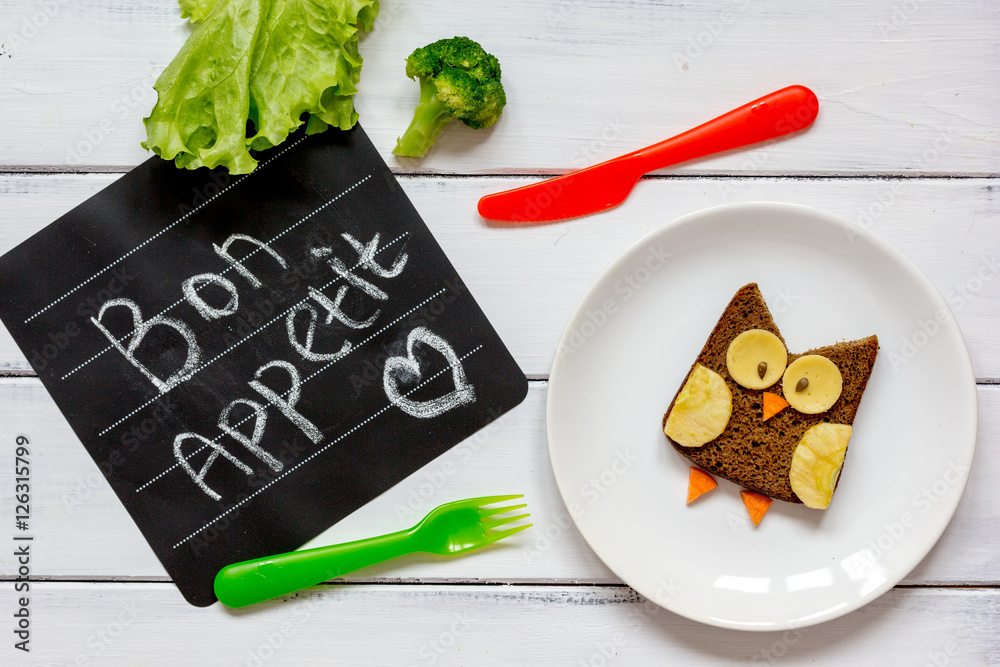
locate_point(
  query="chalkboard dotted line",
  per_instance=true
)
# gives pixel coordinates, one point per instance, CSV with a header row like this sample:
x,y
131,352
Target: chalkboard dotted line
x,y
318,210
109,347
366,340
324,448
307,378
165,229
228,268
237,344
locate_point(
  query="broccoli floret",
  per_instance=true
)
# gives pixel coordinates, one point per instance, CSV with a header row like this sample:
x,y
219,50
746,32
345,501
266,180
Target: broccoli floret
x,y
458,79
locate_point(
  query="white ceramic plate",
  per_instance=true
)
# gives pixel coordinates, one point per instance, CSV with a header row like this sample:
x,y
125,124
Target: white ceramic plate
x,y
636,333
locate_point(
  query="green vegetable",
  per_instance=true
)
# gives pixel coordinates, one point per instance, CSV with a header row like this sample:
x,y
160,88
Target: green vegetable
x,y
458,79
274,63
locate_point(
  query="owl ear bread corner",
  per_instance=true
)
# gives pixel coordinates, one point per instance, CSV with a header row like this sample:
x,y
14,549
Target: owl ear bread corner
x,y
751,452
746,310
855,359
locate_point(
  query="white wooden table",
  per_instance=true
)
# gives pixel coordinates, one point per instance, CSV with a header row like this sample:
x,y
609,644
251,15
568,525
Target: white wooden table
x,y
905,145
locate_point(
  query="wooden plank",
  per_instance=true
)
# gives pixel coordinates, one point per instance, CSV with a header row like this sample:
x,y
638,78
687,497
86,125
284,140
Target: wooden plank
x,y
585,81
75,508
150,624
528,280
76,513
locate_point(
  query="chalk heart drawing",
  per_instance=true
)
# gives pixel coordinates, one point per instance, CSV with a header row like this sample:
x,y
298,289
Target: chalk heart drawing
x,y
397,368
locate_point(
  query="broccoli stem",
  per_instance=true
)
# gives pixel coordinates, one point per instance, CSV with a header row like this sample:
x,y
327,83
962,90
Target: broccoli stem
x,y
429,119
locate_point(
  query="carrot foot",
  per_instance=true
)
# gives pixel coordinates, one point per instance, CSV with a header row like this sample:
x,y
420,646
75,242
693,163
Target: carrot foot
x,y
699,482
757,505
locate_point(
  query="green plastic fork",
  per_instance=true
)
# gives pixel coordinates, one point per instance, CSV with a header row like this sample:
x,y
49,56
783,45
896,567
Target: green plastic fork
x,y
452,528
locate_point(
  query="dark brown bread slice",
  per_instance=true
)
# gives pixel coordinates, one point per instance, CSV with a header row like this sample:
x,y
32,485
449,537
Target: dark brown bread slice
x,y
751,452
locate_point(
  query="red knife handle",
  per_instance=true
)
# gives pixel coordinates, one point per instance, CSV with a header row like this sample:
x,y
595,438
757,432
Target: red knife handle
x,y
781,112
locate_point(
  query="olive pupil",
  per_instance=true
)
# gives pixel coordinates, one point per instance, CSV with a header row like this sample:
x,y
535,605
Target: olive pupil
x,y
802,384
762,369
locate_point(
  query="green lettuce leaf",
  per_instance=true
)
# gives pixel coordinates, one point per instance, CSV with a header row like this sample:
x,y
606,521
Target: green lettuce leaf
x,y
299,68
274,63
196,10
203,96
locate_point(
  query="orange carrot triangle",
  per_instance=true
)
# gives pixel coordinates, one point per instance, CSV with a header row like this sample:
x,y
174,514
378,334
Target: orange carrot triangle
x,y
699,482
773,404
756,504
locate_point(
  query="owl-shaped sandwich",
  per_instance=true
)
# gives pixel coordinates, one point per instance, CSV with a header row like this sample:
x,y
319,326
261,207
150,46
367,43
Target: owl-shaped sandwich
x,y
775,423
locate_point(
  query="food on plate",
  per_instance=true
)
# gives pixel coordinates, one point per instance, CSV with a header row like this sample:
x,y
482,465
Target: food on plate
x,y
701,409
788,442
773,404
251,73
756,504
815,384
816,463
699,483
756,359
458,79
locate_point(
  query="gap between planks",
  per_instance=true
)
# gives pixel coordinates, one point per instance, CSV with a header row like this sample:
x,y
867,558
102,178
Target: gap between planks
x,y
531,377
440,581
46,170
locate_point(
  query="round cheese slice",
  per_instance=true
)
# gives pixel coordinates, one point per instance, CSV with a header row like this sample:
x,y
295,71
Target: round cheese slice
x,y
756,359
812,384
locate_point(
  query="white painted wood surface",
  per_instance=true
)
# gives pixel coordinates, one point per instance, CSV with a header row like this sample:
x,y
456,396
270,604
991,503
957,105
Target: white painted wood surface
x,y
906,88
585,80
74,507
150,624
528,280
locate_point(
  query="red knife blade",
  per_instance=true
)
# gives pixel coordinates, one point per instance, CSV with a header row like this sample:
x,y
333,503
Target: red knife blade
x,y
605,185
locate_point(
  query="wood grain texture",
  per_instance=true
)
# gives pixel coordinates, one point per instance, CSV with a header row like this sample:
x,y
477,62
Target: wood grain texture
x,y
150,624
75,510
901,91
528,280
906,88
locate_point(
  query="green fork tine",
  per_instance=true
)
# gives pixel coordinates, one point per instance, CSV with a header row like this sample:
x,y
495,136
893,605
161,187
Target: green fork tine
x,y
485,513
501,521
484,500
499,535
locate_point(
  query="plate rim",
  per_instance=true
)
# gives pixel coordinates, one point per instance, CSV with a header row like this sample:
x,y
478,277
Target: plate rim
x,y
881,244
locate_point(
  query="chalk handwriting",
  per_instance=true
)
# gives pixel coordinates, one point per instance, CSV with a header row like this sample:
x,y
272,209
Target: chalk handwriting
x,y
397,368
252,442
305,348
287,405
223,252
199,477
341,270
321,310
190,289
334,310
367,254
140,329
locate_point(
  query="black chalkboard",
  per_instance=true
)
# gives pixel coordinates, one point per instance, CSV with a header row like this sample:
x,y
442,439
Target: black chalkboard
x,y
249,359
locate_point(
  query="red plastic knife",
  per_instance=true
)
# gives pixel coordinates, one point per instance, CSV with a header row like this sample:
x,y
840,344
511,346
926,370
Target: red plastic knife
x,y
602,186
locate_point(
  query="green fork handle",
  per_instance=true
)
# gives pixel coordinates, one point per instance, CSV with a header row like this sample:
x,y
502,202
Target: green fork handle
x,y
261,579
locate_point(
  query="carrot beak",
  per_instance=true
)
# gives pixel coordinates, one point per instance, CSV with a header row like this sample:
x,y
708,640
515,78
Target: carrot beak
x,y
773,404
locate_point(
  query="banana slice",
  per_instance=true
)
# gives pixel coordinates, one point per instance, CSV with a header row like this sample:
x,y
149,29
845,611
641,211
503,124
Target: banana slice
x,y
702,409
812,384
816,463
756,359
